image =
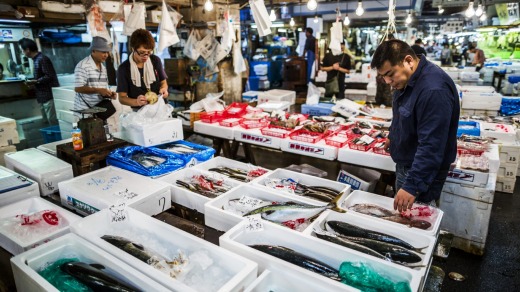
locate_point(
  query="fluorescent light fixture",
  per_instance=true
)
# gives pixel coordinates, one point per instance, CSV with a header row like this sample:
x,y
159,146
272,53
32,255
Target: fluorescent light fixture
x,y
275,24
282,30
312,5
360,10
14,21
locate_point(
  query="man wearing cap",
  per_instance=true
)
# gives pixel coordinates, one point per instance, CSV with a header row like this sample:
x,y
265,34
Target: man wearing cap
x,y
91,80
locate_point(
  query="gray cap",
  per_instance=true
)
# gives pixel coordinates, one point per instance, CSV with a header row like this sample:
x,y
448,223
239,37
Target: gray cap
x,y
99,44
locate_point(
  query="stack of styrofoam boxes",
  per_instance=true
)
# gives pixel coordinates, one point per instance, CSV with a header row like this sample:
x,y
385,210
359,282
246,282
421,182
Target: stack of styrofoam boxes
x,y
64,102
480,103
453,72
356,94
509,167
468,76
261,71
8,137
369,75
371,91
41,167
277,96
29,132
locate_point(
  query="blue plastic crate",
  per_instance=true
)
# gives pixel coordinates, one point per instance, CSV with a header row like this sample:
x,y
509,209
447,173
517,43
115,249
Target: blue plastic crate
x,y
51,134
468,128
320,109
254,83
513,79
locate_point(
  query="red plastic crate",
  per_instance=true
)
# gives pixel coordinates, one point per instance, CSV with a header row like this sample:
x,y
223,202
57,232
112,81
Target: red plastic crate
x,y
253,124
358,147
461,151
230,122
212,117
236,110
333,140
274,131
380,150
306,136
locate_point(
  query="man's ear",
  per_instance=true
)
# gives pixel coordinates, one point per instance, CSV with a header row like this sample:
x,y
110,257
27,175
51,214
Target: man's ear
x,y
409,60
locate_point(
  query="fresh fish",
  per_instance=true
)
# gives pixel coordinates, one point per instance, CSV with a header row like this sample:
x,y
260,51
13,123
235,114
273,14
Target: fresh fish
x,y
299,259
340,240
394,252
147,160
135,249
372,210
319,196
356,231
95,278
234,206
421,224
181,149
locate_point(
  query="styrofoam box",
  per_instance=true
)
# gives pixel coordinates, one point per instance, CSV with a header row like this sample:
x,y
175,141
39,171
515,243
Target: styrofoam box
x,y
54,6
454,74
4,150
469,76
41,167
220,219
29,128
226,162
237,240
255,136
464,217
360,197
16,195
319,149
508,170
186,197
356,94
65,126
487,130
66,93
484,89
270,106
50,148
104,187
481,101
484,194
26,265
510,153
61,104
402,232
214,130
304,179
15,245
367,159
468,177
8,132
468,246
371,120
67,116
359,178
109,6
172,239
277,95
493,156
154,134
506,185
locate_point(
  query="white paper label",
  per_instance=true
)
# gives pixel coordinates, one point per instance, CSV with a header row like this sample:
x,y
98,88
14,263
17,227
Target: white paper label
x,y
249,203
366,139
118,213
254,223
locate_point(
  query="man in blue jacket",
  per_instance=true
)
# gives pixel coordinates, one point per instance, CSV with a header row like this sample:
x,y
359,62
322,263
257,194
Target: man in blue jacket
x,y
423,133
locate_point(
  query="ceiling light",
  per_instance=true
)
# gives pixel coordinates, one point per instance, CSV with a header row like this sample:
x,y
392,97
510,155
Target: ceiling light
x,y
479,10
272,16
441,10
470,12
346,21
316,19
291,23
208,6
408,18
359,9
312,5
483,16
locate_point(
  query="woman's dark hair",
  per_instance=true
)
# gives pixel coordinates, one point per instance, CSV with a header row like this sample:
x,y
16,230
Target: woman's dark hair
x,y
26,43
393,51
142,37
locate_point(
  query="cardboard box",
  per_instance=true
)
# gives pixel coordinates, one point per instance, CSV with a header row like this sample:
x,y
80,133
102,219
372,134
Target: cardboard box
x,y
153,134
359,178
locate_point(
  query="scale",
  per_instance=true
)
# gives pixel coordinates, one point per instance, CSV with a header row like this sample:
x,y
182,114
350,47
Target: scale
x,y
92,128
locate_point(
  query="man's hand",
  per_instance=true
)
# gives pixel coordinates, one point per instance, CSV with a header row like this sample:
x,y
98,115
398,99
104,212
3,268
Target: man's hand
x,y
387,145
106,93
141,100
164,92
403,200
335,66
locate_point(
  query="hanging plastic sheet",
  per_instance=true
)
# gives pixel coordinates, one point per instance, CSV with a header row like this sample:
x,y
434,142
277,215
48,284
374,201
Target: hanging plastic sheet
x,y
145,161
239,65
167,29
190,49
96,25
261,17
228,35
336,37
191,153
207,45
135,19
115,49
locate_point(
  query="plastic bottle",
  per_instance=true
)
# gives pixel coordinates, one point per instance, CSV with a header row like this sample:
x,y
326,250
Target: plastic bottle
x,y
77,139
109,136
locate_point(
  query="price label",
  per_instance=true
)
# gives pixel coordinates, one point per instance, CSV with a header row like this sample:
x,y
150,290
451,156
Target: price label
x,y
249,202
512,158
366,139
254,223
118,213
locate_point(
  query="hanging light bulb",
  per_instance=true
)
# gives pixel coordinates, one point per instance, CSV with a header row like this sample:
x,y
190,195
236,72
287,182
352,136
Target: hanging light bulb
x,y
272,16
483,17
470,12
208,5
316,20
408,18
346,21
312,5
359,9
479,10
291,23
441,10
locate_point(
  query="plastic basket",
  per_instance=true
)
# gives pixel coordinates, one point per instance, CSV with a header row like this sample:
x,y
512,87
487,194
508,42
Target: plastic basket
x,y
277,132
339,140
51,134
253,124
212,117
236,110
380,150
306,136
359,147
230,122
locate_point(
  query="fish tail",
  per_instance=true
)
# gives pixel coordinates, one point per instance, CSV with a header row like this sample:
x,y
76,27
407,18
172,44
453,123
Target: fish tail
x,y
334,204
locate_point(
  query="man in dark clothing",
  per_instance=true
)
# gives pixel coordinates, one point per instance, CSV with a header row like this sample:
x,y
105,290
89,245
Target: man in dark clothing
x,y
309,51
418,48
337,66
423,133
44,79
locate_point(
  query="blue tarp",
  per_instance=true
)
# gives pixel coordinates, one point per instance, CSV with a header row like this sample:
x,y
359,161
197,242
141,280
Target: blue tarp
x,y
123,158
205,153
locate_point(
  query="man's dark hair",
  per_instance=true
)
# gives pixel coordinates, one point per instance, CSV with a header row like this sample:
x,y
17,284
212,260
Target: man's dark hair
x,y
418,41
309,30
26,43
471,47
393,51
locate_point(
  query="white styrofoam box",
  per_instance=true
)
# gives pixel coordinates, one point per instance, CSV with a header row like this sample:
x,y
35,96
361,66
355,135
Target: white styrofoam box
x,y
485,89
506,185
223,220
354,78
8,132
304,179
65,126
368,159
368,73
41,167
360,197
51,147
260,69
186,197
226,162
509,170
107,186
402,232
481,101
468,246
270,106
54,6
469,76
319,149
493,156
371,89
250,95
214,130
485,194
356,94
154,134
238,240
155,232
67,116
255,136
9,197
4,150
359,178
454,74
61,104
156,15
372,120
109,6
66,135
503,133
468,177
29,128
277,95
16,245
26,265
65,93
464,217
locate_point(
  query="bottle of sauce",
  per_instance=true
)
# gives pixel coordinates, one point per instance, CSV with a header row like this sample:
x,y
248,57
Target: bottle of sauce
x,y
77,139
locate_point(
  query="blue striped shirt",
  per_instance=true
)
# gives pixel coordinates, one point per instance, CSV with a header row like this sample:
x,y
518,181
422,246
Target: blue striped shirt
x,y
88,74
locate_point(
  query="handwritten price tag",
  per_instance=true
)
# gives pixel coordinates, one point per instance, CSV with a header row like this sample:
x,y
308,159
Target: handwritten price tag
x,y
254,223
118,213
125,194
249,202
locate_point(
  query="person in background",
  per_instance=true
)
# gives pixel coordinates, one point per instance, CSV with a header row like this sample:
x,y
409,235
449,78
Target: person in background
x,y
142,72
337,66
479,57
418,48
91,80
43,81
1,71
423,133
309,51
446,55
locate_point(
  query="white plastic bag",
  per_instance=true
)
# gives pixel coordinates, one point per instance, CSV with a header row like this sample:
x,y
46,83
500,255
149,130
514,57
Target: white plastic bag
x,y
238,60
148,114
313,94
190,49
210,103
135,19
167,29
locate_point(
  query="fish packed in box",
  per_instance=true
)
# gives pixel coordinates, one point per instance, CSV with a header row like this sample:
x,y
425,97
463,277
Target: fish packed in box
x,y
473,145
31,226
239,174
147,160
205,185
282,124
321,193
419,216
